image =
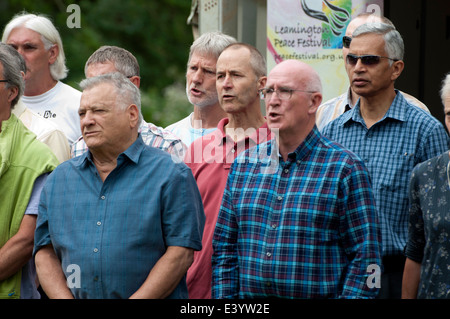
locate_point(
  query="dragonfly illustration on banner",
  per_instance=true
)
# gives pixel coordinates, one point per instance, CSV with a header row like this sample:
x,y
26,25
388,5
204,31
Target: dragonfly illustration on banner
x,y
333,15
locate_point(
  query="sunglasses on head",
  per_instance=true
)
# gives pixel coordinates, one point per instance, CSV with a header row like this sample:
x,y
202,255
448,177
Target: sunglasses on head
x,y
346,41
366,59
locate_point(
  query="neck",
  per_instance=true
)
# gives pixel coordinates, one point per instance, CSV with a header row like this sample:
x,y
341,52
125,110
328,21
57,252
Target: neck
x,y
33,88
373,108
4,116
105,158
354,97
243,121
288,142
208,116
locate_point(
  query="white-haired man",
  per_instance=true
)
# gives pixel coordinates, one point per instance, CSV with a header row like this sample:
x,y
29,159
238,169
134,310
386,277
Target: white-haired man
x,y
38,41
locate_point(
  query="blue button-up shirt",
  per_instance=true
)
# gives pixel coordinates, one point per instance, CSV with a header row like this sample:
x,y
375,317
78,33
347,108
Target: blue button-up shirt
x,y
390,149
304,228
115,231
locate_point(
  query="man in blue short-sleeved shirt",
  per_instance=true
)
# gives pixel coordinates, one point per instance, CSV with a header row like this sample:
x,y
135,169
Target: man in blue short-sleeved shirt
x,y
123,219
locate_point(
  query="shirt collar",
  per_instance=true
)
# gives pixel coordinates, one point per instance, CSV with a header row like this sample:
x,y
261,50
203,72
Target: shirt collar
x,y
397,111
132,153
256,137
306,147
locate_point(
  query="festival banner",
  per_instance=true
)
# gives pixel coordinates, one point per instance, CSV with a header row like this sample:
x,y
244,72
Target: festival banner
x,y
312,31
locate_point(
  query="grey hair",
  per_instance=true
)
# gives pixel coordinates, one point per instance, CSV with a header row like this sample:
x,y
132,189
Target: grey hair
x,y
257,60
394,45
126,92
372,15
49,36
13,64
445,89
124,62
211,43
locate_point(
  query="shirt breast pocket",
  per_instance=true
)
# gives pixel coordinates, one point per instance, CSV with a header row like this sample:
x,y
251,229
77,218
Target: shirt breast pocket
x,y
396,170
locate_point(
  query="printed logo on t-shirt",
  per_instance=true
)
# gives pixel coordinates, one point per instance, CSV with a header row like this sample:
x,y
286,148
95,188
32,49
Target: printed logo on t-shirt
x,y
48,114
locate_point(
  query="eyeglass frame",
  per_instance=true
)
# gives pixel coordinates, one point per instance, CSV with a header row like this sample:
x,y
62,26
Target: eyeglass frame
x,y
346,40
276,91
361,57
4,80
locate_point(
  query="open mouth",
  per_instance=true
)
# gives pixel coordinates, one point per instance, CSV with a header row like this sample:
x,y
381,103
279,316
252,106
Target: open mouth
x,y
227,97
196,92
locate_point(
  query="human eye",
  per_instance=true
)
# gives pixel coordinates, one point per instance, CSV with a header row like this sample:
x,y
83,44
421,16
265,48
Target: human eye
x,y
284,90
29,47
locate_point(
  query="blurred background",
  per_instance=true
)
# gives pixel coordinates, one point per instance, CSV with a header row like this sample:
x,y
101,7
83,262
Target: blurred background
x,y
156,32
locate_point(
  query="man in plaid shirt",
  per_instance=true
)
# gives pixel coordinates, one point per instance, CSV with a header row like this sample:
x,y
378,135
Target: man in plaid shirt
x,y
301,223
389,134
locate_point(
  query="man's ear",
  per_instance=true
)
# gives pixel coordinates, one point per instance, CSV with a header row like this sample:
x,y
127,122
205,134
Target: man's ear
x,y
316,100
136,80
262,83
398,67
12,93
53,54
133,114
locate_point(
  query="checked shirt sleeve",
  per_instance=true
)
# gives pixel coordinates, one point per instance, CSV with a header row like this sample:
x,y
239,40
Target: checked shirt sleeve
x,y
225,272
361,233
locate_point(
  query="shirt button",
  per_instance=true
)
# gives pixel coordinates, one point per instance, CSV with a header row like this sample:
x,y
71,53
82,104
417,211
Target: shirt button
x,y
274,226
279,197
286,171
268,254
95,250
233,150
103,197
99,223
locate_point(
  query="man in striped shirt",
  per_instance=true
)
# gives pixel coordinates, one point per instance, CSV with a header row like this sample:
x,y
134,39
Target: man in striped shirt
x,y
110,59
302,223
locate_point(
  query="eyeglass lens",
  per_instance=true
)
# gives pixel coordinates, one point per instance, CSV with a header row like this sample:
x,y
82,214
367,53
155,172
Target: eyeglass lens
x,y
365,59
346,41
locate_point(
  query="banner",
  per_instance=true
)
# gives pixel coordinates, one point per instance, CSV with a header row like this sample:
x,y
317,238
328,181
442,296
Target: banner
x,y
312,31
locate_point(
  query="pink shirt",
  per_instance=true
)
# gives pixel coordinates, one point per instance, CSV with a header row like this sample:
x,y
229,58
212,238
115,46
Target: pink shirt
x,y
210,158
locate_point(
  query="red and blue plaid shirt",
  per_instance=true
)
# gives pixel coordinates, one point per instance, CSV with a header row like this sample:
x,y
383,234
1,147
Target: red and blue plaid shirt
x,y
307,229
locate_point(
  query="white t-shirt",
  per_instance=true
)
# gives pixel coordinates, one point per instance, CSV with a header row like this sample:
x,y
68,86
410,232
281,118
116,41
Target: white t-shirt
x,y
183,129
60,105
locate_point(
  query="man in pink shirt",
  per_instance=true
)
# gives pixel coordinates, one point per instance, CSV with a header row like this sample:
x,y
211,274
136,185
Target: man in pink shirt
x,y
240,75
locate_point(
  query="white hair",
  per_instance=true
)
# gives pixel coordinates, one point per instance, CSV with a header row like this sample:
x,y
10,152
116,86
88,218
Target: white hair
x,y
49,35
126,92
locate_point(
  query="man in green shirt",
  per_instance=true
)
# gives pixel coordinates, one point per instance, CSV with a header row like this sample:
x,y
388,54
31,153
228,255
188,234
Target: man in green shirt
x,y
23,159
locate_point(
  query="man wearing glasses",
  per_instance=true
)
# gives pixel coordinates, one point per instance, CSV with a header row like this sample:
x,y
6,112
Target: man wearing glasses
x,y
389,134
307,229
331,109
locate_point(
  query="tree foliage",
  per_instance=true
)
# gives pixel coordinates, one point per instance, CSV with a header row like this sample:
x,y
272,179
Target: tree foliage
x,y
156,32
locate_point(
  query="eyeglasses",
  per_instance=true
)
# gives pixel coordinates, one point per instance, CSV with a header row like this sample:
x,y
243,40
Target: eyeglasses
x,y
4,80
366,59
346,41
283,94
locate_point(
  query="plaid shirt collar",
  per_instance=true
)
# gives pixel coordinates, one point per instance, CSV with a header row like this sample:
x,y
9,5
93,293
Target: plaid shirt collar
x,y
397,111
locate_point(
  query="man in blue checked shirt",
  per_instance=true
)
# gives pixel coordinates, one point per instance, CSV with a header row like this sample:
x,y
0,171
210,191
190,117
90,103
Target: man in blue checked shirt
x,y
122,220
389,134
302,223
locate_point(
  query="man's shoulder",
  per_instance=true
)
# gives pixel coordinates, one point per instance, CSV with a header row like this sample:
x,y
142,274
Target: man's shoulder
x,y
148,128
66,88
183,123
